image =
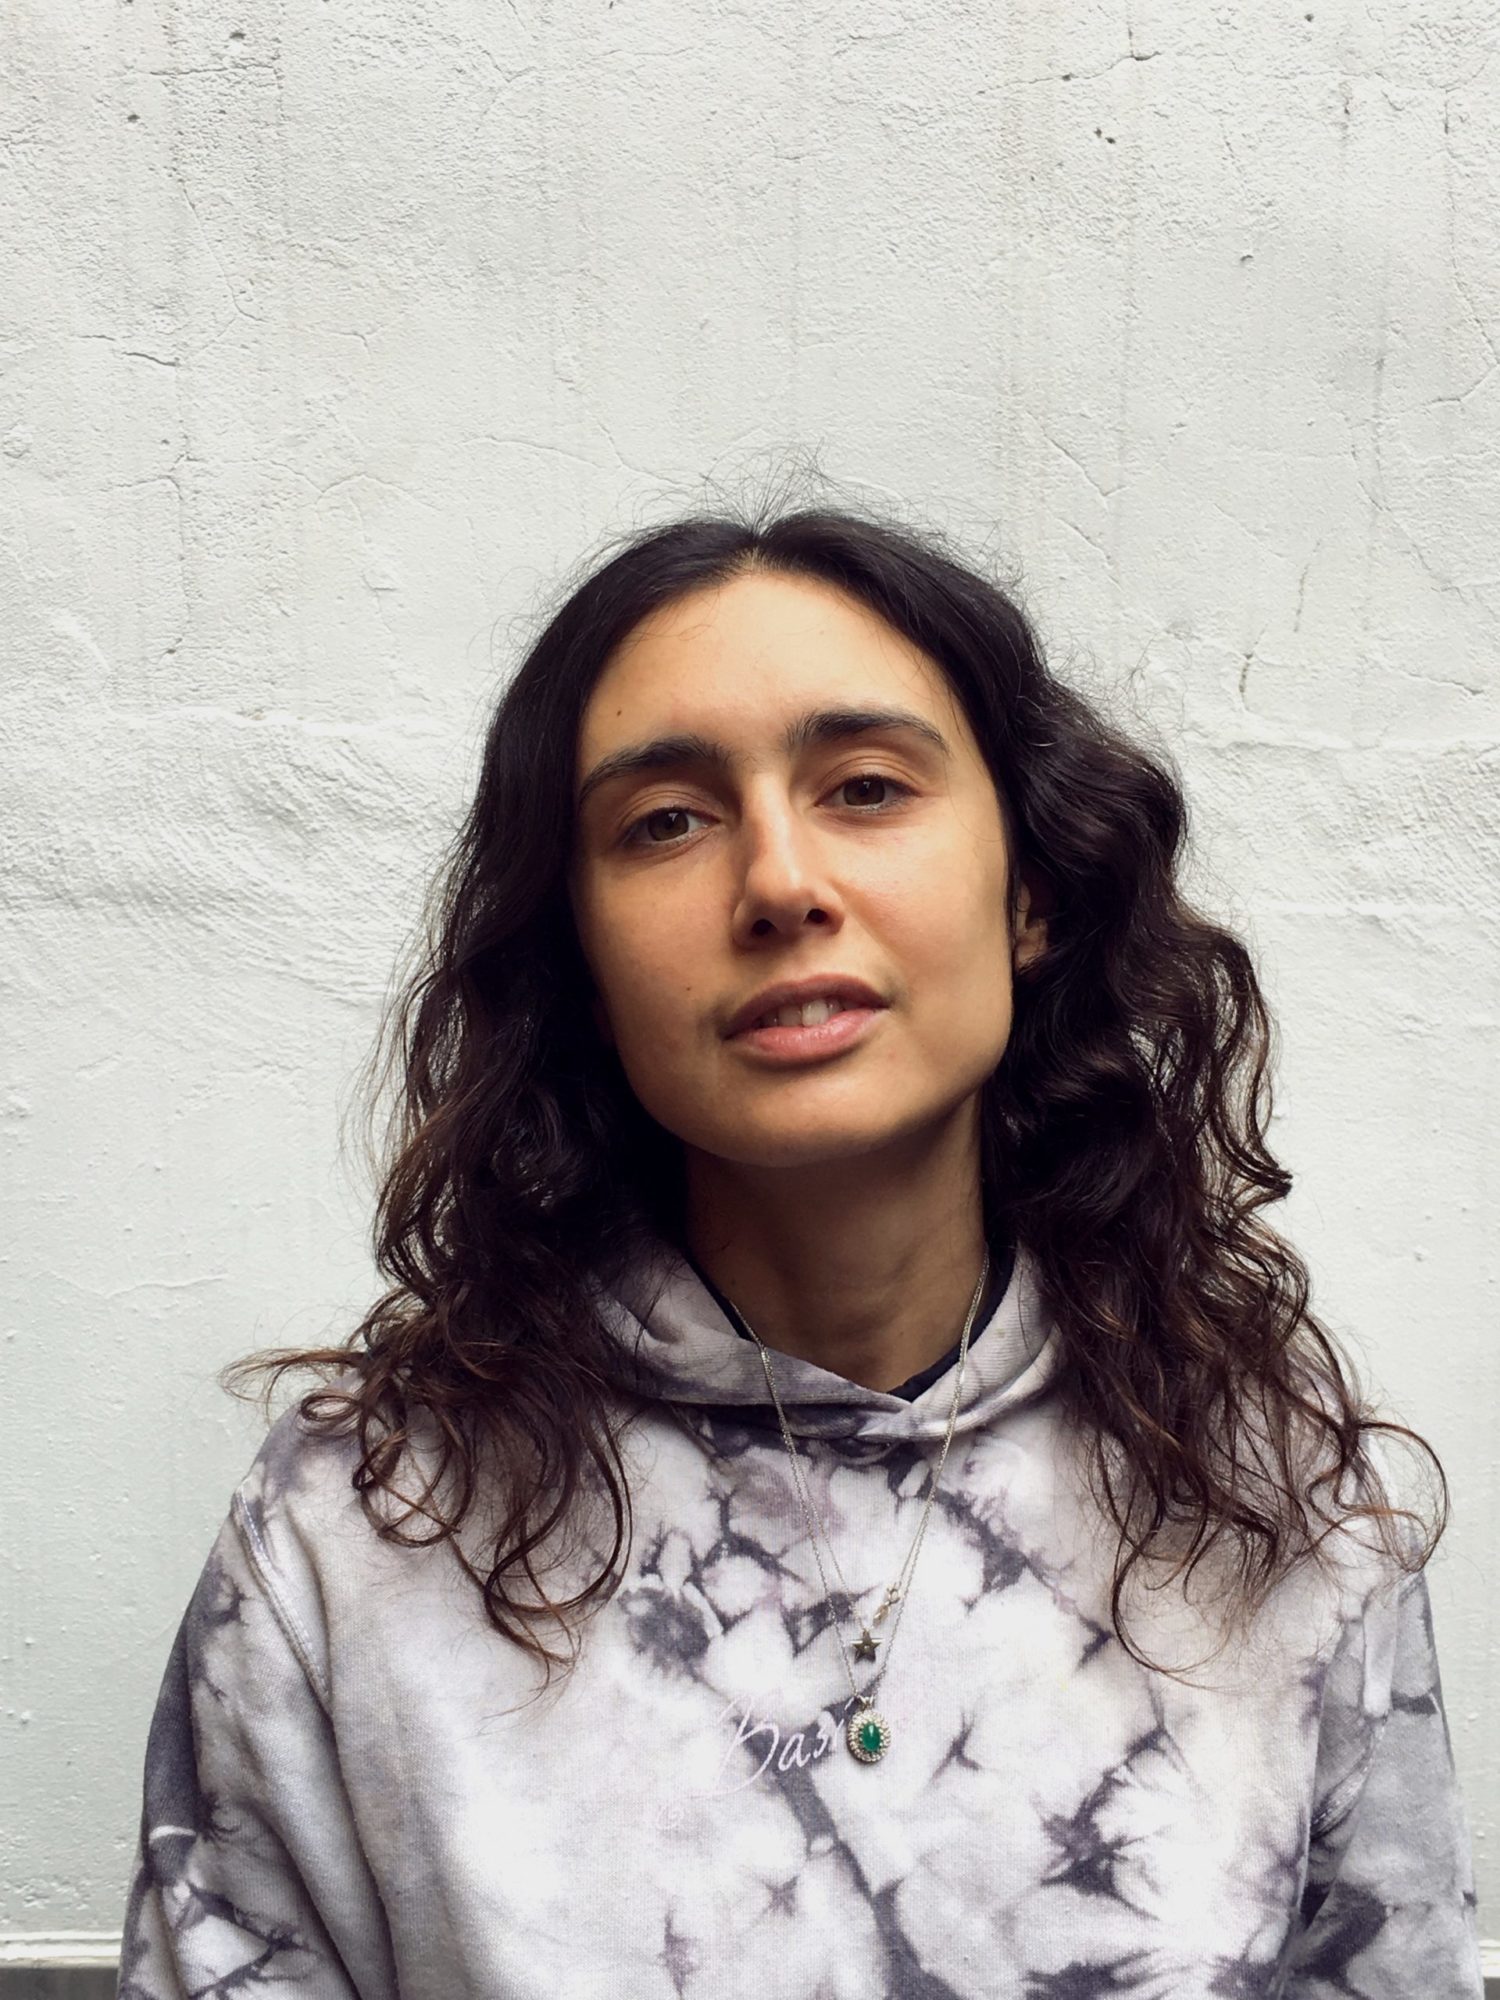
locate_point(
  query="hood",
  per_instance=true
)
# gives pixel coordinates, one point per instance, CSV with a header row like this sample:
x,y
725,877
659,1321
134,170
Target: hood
x,y
681,1348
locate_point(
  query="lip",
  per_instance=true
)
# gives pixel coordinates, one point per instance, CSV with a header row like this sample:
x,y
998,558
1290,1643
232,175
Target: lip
x,y
852,993
795,1045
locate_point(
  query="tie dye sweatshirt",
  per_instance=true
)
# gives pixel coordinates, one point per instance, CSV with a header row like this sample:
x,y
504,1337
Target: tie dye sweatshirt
x,y
353,1785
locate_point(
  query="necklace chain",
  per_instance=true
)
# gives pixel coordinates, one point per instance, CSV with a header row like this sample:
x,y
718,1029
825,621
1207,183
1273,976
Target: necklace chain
x,y
896,1593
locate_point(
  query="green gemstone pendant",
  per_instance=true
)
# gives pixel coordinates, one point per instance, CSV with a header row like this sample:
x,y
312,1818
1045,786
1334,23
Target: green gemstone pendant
x,y
868,1736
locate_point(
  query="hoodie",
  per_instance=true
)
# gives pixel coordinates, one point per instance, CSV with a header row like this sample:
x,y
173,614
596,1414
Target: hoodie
x,y
354,1785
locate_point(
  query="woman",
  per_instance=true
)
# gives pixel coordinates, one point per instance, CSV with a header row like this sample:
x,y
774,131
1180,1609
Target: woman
x,y
825,1190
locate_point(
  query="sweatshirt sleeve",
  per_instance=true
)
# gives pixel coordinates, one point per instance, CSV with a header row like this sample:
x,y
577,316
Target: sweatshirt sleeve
x,y
1389,1909
248,1874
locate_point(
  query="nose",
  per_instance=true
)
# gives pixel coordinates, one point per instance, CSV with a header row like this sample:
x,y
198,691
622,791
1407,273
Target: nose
x,y
784,881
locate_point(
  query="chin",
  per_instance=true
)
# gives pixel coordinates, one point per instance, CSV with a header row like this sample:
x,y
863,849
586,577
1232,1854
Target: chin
x,y
799,1141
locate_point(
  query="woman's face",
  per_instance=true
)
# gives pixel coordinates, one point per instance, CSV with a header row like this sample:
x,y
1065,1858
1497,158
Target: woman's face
x,y
695,885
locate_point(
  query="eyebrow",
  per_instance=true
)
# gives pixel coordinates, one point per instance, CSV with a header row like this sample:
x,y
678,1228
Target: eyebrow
x,y
817,726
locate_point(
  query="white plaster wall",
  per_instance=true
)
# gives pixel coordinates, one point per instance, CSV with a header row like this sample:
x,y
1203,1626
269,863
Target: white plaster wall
x,y
332,333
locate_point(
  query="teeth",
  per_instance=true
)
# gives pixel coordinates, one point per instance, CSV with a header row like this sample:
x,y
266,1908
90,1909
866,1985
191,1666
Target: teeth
x,y
811,1014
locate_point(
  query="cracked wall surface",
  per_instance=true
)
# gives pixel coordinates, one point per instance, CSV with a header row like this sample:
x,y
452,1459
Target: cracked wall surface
x,y
332,337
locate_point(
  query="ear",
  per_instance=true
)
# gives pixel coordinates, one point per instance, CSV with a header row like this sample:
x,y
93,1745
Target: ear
x,y
1030,937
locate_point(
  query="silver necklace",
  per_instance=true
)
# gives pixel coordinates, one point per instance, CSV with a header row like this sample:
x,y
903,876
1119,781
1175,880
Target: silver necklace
x,y
868,1734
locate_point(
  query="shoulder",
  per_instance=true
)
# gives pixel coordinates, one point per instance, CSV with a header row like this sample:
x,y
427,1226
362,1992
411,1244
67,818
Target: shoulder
x,y
316,1523
299,1486
296,1522
1360,1484
1378,1636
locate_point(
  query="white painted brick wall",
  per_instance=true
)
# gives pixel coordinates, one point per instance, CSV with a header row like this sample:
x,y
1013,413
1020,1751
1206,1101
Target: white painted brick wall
x,y
330,334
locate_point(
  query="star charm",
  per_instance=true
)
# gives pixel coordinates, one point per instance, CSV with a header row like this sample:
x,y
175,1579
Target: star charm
x,y
864,1647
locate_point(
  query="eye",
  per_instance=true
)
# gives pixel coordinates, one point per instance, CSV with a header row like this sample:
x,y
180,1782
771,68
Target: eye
x,y
629,837
659,812
874,778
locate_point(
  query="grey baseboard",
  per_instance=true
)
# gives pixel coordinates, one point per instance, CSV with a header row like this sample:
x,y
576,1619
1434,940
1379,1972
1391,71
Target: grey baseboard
x,y
29,1982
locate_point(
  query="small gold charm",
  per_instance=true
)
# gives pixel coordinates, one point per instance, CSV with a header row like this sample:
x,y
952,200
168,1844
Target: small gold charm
x,y
892,1597
864,1647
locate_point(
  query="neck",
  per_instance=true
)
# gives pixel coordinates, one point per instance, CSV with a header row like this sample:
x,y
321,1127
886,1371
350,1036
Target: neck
x,y
866,1267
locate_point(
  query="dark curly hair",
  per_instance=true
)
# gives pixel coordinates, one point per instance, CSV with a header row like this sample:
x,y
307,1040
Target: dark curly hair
x,y
1122,1134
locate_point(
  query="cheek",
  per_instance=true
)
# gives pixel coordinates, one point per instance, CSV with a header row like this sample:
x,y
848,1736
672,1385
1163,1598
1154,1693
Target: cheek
x,y
656,1003
956,958
628,950
953,932
651,1005
669,1065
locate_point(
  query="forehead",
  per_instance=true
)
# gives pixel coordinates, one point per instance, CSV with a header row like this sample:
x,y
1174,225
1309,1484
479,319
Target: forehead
x,y
745,650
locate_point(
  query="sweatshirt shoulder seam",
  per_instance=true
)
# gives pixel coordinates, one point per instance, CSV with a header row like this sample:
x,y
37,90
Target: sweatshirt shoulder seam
x,y
259,1557
1345,1796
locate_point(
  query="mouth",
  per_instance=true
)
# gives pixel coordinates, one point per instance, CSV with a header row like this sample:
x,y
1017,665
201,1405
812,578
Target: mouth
x,y
809,1014
808,1002
804,1035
